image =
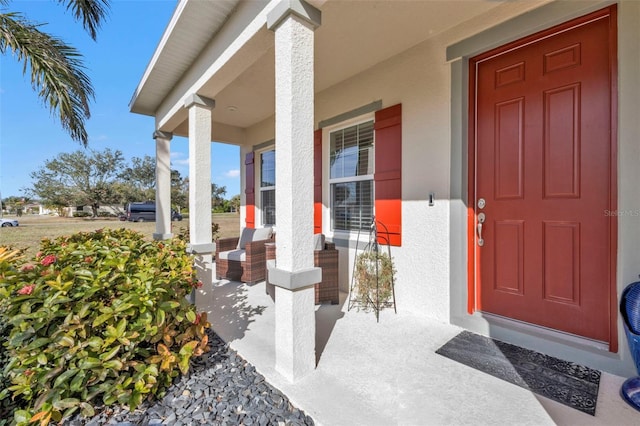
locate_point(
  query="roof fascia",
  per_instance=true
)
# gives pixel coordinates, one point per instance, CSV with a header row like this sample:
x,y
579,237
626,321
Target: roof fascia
x,y
159,49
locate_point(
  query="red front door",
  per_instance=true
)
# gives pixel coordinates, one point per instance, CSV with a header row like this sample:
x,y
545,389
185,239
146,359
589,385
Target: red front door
x,y
544,170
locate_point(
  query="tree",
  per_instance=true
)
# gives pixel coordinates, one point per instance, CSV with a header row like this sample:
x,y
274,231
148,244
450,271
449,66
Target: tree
x,y
235,203
14,203
56,68
80,178
139,179
217,195
179,190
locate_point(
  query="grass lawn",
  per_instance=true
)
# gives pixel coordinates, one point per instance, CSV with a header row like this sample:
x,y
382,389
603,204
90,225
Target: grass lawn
x,y
34,228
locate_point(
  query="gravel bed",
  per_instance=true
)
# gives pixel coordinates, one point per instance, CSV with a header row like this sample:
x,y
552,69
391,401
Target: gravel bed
x,y
220,389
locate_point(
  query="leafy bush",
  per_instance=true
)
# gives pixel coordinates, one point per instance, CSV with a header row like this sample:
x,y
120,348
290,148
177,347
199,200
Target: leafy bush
x,y
81,214
106,214
183,232
7,405
98,318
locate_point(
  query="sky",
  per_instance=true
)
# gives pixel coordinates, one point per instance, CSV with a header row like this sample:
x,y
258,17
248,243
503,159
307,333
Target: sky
x,y
30,135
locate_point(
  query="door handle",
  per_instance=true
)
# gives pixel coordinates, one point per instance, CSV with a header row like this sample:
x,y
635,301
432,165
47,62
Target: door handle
x,y
481,218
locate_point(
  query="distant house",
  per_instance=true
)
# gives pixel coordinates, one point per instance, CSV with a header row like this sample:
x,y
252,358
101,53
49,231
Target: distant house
x,y
496,141
27,208
36,208
109,211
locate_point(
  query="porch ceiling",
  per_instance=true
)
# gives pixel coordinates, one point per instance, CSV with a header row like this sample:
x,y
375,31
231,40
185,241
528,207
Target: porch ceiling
x,y
354,36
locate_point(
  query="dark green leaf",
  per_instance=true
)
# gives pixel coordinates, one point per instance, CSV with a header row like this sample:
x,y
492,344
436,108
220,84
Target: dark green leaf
x,y
66,403
64,377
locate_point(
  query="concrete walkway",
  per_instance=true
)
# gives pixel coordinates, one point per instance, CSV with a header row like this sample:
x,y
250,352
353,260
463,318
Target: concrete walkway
x,y
388,373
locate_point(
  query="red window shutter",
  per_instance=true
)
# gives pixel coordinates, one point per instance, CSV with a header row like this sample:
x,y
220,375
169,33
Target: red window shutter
x,y
249,191
388,174
317,181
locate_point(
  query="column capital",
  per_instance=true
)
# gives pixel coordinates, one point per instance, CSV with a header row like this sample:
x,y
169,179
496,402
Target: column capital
x,y
299,8
159,134
195,99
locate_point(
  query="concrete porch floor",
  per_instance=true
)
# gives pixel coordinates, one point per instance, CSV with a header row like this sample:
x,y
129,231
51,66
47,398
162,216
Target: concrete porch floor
x,y
388,373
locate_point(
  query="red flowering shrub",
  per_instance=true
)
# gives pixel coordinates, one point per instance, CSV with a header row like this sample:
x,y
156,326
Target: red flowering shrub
x,y
27,289
97,318
48,260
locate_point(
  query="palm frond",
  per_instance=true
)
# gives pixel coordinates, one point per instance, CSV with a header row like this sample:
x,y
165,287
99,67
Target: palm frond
x,y
90,12
56,71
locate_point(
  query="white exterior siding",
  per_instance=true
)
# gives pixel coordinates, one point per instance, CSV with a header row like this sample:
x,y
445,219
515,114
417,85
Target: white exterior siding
x,y
433,90
418,80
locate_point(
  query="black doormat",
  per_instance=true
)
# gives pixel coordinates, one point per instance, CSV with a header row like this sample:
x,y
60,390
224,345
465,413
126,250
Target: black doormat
x,y
566,382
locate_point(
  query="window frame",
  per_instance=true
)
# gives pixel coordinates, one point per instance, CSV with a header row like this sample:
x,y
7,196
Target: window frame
x,y
261,189
328,182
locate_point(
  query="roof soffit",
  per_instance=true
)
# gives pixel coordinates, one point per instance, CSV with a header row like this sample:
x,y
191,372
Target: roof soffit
x,y
193,25
355,35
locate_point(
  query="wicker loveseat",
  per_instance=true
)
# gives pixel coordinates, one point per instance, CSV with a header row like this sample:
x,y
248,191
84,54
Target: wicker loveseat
x,y
243,258
325,256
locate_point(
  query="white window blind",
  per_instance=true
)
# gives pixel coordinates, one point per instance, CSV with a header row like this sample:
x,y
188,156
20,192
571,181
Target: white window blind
x,y
351,177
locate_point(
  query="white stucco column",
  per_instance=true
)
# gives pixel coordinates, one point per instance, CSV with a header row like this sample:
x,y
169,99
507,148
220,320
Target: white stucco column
x,y
294,22
163,185
200,185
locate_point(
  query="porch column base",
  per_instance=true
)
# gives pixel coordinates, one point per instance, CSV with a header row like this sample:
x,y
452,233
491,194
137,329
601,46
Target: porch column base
x,y
295,329
203,264
161,237
202,248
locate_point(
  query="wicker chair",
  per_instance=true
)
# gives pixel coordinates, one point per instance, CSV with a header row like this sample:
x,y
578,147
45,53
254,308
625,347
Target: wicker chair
x,y
327,258
243,258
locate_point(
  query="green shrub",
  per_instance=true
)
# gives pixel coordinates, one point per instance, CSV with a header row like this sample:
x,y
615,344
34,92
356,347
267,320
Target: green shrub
x,y
81,214
7,405
99,318
183,232
8,258
107,214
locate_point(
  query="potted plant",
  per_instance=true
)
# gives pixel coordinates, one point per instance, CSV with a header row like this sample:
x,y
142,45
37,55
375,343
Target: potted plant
x,y
374,276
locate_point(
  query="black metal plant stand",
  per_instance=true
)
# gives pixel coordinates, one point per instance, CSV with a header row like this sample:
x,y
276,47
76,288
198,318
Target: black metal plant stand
x,y
364,298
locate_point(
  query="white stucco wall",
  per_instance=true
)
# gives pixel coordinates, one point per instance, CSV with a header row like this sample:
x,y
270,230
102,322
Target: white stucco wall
x,y
431,263
419,80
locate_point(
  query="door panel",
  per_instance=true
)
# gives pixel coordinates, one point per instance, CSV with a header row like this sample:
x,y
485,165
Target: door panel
x,y
543,164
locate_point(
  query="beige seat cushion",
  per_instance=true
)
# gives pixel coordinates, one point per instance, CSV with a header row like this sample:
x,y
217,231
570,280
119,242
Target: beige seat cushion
x,y
262,234
235,255
246,236
318,242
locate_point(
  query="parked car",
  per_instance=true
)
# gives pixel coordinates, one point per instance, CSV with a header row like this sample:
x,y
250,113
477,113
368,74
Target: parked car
x,y
141,212
8,222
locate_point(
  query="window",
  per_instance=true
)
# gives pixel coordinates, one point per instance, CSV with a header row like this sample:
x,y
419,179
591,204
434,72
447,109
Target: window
x,y
268,187
351,177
